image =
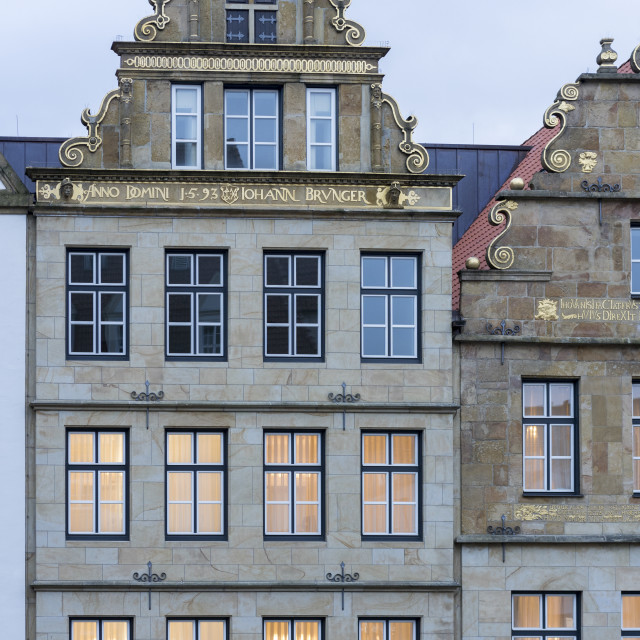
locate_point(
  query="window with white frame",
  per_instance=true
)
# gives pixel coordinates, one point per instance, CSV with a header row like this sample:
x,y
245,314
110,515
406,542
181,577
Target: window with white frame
x,y
292,629
321,129
97,303
635,260
391,484
100,629
544,616
388,629
186,126
293,305
390,306
252,21
252,129
550,438
293,490
630,616
196,629
97,468
195,307
636,436
195,486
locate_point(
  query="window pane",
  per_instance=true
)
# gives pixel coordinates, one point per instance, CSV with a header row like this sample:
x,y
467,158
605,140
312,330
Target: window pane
x,y
631,611
636,475
534,475
375,487
561,399
111,486
320,103
307,271
265,27
374,449
115,630
374,309
211,630
81,268
307,449
209,270
237,26
265,130
401,630
180,518
321,158
237,130
635,244
181,630
209,486
84,630
179,269
209,307
403,342
404,519
179,486
307,341
237,156
526,612
403,310
307,518
186,127
180,307
371,630
404,487
210,518
112,339
111,307
276,630
111,447
635,277
179,449
277,341
533,399
277,518
277,448
404,449
210,448
534,440
265,157
82,307
179,340
307,487
277,271
265,103
375,519
186,100
186,154
81,485
374,272
81,518
81,447
237,102
82,338
561,475
321,131
560,440
403,273
112,269
209,340
307,309
111,518
307,630
560,612
636,400
277,487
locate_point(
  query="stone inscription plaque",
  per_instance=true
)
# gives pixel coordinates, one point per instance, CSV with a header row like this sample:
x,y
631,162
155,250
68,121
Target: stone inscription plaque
x,y
577,513
223,195
589,309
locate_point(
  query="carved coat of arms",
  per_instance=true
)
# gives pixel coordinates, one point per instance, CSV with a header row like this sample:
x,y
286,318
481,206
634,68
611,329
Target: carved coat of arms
x,y
547,310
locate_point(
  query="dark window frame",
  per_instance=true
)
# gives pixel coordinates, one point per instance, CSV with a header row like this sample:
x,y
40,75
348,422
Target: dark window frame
x,y
100,620
95,467
387,620
194,468
291,620
252,8
197,620
96,289
545,632
194,290
633,632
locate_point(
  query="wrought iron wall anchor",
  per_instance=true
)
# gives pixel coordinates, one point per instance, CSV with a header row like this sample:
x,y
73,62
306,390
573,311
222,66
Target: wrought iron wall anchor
x,y
599,187
503,531
148,396
502,330
343,577
149,577
344,397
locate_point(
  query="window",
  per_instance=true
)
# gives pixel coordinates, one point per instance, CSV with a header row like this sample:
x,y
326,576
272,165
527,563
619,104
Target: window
x,y
321,129
195,304
186,125
97,468
550,437
100,629
196,629
636,437
391,486
538,616
293,484
388,629
293,629
635,260
251,125
293,305
252,21
97,304
390,306
195,484
631,616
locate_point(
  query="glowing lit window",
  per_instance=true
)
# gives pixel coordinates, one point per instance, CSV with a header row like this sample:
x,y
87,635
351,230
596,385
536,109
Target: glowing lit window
x,y
376,629
631,616
636,437
544,616
196,629
288,629
100,629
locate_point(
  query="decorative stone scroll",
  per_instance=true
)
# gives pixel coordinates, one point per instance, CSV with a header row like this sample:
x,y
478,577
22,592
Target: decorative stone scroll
x,y
147,29
556,116
355,32
501,257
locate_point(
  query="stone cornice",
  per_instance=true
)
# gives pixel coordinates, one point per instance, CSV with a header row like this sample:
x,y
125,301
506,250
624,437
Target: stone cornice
x,y
613,538
587,341
535,194
470,275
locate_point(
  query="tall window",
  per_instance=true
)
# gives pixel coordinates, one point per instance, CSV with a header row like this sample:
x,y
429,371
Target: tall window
x,y
635,260
631,616
97,483
252,21
195,484
550,437
186,126
381,629
252,125
321,129
391,484
293,303
290,629
541,616
293,484
196,629
97,303
390,306
195,304
636,437
100,629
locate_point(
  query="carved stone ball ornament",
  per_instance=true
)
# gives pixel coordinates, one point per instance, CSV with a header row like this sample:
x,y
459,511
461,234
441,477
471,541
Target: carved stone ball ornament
x,y
473,263
607,57
517,184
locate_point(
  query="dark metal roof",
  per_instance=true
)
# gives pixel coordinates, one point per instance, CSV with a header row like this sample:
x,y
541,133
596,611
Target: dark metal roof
x,y
30,152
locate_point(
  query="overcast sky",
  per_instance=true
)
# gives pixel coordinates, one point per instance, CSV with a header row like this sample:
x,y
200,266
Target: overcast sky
x,y
489,66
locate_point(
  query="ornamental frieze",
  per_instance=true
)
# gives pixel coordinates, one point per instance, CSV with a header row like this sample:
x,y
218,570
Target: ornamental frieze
x,y
588,309
577,513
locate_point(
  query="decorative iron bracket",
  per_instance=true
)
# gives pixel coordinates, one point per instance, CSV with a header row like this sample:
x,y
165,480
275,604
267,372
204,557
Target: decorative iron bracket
x,y
503,531
344,397
149,577
600,187
147,396
502,330
343,577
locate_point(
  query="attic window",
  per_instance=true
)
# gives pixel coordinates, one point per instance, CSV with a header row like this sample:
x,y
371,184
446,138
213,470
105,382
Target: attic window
x,y
2,186
252,21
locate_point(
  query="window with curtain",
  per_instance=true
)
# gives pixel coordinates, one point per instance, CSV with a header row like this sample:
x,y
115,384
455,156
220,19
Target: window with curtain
x,y
195,488
196,629
631,616
292,629
100,629
293,487
391,484
388,629
636,436
550,437
97,470
545,616
252,21
195,309
97,304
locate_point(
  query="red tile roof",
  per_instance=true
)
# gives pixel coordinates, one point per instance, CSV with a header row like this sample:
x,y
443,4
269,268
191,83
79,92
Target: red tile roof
x,y
476,239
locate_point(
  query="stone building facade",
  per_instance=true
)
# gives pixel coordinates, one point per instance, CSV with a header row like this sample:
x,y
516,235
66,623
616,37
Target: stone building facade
x,y
550,382
243,358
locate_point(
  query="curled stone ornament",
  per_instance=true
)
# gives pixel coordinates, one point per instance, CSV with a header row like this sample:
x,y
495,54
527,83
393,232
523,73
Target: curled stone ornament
x,y
502,257
147,29
556,116
355,32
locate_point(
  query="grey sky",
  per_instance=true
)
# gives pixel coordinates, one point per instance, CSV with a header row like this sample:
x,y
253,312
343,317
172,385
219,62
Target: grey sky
x,y
495,65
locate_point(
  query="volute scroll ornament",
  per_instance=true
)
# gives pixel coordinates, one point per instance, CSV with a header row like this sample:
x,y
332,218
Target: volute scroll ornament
x,y
556,116
147,29
501,257
635,60
355,32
